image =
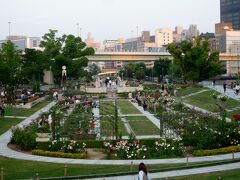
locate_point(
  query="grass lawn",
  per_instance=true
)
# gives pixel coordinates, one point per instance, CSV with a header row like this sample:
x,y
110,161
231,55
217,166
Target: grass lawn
x,y
106,107
226,175
127,108
142,126
24,112
205,101
19,169
107,128
6,123
189,90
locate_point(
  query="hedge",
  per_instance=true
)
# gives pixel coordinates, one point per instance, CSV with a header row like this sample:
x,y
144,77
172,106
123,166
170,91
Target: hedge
x,y
225,150
98,143
60,154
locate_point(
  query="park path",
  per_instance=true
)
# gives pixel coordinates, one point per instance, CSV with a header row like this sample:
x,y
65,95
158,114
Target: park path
x,y
7,152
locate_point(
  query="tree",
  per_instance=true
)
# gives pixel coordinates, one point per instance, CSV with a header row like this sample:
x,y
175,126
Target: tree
x,y
34,62
195,60
162,67
68,51
94,69
11,69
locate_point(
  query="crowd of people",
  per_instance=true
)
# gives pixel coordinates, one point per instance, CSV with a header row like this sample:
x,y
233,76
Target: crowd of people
x,y
235,86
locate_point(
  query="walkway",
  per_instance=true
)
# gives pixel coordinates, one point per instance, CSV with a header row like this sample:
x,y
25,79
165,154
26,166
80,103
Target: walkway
x,y
7,152
229,92
178,172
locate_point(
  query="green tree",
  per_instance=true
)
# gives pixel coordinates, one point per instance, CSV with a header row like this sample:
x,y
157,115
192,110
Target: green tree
x,y
195,60
68,51
162,67
34,63
11,69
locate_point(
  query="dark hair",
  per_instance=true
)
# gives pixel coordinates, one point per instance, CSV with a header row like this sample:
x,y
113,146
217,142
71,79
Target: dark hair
x,y
142,167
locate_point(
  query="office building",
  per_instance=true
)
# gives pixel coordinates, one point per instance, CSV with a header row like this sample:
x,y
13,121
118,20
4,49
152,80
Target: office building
x,y
230,12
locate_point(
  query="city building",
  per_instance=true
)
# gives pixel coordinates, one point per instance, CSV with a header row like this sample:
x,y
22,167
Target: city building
x,y
192,31
92,43
177,34
163,37
227,39
23,42
113,45
230,12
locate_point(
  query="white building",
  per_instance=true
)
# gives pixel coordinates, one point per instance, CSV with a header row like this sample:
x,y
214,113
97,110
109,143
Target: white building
x,y
23,42
163,37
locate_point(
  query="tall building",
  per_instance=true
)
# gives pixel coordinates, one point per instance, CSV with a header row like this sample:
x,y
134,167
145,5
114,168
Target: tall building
x,y
177,34
163,37
193,31
92,43
227,39
230,12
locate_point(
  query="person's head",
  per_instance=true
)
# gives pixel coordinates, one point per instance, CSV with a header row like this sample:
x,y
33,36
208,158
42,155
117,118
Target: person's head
x,y
142,167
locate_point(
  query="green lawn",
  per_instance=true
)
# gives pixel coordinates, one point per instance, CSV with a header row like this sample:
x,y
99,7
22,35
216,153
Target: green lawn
x,y
6,123
142,126
106,107
24,112
224,175
19,169
127,108
189,90
205,101
107,128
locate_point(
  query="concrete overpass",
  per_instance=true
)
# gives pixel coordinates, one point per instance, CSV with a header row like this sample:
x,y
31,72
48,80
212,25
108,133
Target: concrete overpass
x,y
117,60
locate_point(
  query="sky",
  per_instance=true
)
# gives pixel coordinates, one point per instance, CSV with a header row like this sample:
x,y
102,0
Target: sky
x,y
105,19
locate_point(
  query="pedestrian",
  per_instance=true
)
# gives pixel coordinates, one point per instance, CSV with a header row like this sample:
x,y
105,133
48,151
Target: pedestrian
x,y
2,109
142,172
237,88
224,87
213,83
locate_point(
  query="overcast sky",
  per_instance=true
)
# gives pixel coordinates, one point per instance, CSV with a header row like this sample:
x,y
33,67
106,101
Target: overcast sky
x,y
105,19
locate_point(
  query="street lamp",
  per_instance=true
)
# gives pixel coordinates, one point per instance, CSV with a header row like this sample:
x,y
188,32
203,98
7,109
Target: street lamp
x,y
64,77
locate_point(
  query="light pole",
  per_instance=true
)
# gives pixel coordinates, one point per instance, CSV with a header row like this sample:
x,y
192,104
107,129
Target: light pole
x,y
78,29
137,39
9,29
132,40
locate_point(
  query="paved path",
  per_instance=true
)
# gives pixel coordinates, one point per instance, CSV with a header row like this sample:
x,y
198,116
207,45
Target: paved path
x,y
178,172
229,92
150,116
16,117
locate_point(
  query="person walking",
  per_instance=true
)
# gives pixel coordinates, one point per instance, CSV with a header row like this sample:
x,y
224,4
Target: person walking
x,y
224,87
142,172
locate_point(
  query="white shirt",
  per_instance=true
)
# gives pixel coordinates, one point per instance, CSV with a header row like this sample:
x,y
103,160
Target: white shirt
x,y
141,175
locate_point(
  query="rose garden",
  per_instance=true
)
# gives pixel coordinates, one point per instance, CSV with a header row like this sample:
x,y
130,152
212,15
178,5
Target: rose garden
x,y
167,120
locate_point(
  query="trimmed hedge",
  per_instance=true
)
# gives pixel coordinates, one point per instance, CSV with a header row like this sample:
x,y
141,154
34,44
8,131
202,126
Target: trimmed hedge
x,y
225,150
60,154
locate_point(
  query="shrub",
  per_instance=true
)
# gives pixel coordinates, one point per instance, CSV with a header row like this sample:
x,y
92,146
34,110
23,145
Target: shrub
x,y
60,154
25,138
208,152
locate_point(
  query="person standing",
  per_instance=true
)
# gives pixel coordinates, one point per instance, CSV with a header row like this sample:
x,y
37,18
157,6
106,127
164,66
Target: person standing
x,y
142,172
224,87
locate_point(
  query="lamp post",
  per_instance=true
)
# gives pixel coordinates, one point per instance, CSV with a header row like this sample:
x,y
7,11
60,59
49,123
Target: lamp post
x,y
64,77
9,29
78,29
137,39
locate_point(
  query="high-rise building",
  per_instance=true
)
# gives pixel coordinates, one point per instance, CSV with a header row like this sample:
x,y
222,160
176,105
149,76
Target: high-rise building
x,y
92,43
230,12
193,31
163,37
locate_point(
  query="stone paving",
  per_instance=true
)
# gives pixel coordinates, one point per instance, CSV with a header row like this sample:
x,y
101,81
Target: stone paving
x,y
229,92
